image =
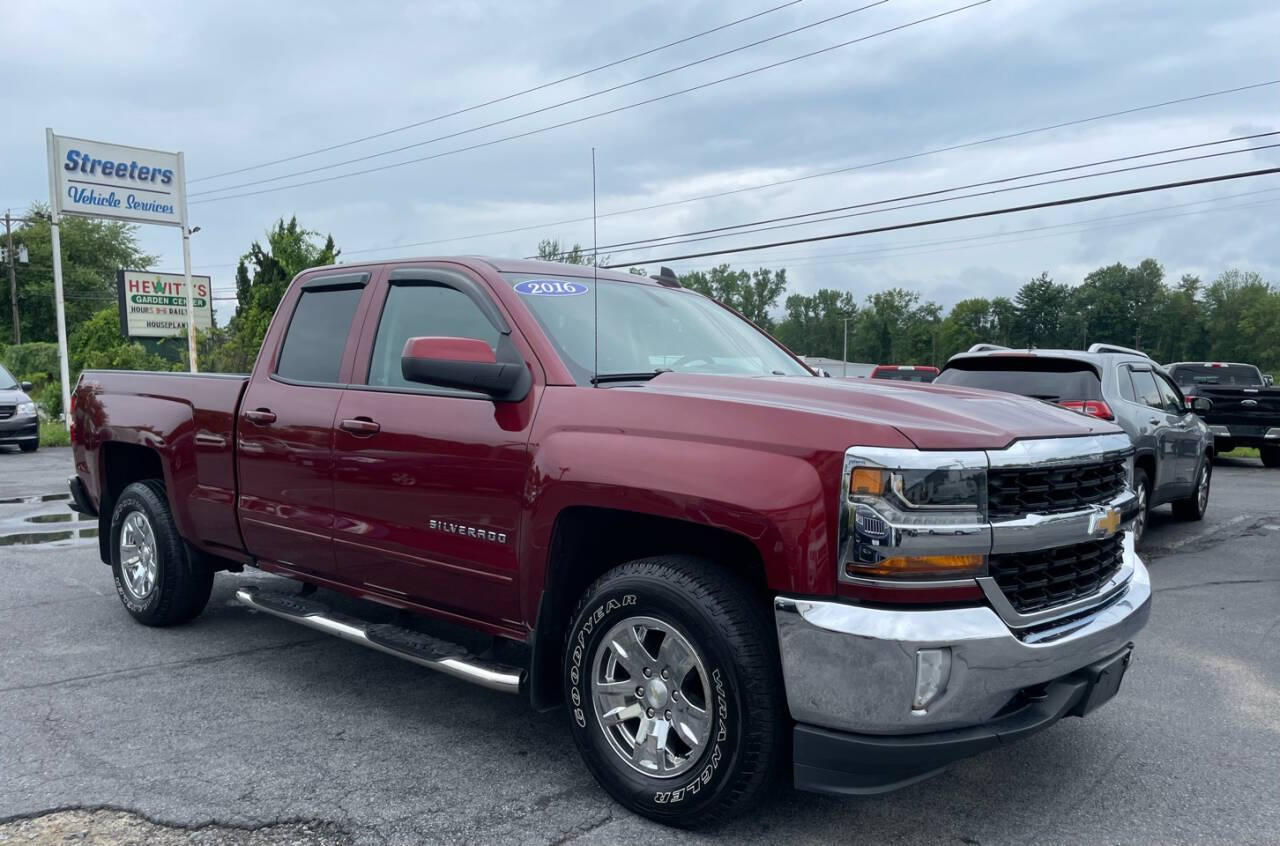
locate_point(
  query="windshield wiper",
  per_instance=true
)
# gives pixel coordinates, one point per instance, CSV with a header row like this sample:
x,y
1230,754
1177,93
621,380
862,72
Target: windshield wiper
x,y
628,377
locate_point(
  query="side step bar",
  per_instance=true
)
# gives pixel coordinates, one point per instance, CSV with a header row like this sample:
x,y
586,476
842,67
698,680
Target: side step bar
x,y
414,646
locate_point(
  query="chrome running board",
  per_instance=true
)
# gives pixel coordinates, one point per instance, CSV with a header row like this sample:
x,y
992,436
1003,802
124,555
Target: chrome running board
x,y
409,644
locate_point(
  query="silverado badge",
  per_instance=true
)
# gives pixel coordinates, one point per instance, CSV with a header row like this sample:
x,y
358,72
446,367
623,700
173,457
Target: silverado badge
x,y
1104,522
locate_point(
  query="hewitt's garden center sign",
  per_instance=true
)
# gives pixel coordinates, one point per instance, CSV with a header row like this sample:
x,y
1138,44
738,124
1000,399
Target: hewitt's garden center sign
x,y
154,305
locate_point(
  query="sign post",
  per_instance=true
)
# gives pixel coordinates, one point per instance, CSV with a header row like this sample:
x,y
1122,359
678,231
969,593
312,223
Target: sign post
x,y
96,179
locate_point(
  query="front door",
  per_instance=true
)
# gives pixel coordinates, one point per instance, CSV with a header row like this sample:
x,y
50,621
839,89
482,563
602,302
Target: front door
x,y
285,429
1185,434
428,481
1161,423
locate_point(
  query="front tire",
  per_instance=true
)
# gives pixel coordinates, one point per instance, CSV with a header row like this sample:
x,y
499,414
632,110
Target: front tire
x,y
1194,506
29,446
159,583
674,692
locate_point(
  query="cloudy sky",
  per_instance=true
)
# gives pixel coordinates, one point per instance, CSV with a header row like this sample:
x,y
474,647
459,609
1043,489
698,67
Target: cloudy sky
x,y
236,85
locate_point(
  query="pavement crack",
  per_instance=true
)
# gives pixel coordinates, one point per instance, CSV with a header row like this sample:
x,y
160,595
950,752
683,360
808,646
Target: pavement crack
x,y
1170,588
582,831
124,671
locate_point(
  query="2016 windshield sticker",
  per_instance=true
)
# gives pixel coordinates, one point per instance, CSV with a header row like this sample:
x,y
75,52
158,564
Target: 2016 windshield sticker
x,y
549,288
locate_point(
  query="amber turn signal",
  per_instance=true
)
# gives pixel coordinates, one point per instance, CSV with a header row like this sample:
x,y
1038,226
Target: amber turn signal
x,y
866,481
922,565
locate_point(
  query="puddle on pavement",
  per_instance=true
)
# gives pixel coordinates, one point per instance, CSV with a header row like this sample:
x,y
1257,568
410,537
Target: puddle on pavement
x,y
50,518
27,500
38,538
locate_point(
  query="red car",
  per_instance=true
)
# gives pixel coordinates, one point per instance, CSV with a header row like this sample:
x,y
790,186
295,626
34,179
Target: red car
x,y
905,372
725,568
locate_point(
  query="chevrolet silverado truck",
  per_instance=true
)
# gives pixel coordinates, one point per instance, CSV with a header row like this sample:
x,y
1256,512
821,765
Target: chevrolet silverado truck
x,y
624,498
1243,408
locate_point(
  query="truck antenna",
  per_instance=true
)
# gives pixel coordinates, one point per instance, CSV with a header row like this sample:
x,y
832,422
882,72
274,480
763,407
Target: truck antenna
x,y
595,280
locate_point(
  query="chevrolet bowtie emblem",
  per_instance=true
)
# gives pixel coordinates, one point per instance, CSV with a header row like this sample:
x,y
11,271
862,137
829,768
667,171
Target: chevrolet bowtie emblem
x,y
1105,522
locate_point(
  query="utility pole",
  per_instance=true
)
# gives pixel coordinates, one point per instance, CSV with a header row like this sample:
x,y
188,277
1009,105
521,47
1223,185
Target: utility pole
x,y
844,356
13,279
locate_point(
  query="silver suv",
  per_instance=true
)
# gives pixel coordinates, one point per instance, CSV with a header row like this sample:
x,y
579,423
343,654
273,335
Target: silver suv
x,y
1174,447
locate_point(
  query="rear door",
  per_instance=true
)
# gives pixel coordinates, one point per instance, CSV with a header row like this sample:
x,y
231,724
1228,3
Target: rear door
x,y
1186,434
428,481
285,428
1162,423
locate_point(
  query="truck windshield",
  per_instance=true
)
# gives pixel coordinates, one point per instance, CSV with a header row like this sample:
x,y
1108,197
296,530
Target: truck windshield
x,y
1237,375
645,330
1052,379
7,382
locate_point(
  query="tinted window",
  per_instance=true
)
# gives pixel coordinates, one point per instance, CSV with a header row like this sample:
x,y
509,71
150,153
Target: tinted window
x,y
1169,397
1144,384
1052,379
7,382
905,375
419,310
317,334
1125,383
1224,374
644,328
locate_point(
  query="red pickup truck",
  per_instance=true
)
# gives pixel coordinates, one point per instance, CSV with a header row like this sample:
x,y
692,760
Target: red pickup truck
x,y
724,567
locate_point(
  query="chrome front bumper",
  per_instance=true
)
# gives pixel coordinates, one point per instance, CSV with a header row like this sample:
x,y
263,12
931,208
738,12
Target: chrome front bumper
x,y
854,668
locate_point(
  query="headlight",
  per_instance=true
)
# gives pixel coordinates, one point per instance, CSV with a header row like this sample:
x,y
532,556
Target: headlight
x,y
914,515
26,408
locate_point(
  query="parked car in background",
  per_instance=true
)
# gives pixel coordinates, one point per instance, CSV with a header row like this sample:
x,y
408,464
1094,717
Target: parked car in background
x,y
1244,409
19,422
904,372
1174,448
724,566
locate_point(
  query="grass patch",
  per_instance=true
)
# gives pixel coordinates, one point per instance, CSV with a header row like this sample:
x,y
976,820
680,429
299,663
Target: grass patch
x,y
53,434
1241,452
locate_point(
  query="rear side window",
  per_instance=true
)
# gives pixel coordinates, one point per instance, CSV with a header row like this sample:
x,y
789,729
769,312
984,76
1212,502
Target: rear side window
x,y
1144,383
1125,381
1041,377
419,310
317,334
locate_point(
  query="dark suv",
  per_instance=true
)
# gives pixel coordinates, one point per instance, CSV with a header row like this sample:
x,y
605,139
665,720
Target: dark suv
x,y
1174,447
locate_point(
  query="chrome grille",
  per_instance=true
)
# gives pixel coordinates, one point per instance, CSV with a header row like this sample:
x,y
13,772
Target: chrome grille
x,y
1033,581
7,411
1017,491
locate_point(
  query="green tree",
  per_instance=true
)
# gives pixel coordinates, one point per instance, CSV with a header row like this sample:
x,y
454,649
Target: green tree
x,y
813,324
1043,314
970,322
751,293
92,251
262,277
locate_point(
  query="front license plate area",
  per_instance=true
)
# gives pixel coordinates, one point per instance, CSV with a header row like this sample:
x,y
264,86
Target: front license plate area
x,y
1105,677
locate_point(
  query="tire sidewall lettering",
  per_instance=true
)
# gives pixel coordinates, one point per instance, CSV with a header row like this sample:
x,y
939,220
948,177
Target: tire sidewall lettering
x,y
579,649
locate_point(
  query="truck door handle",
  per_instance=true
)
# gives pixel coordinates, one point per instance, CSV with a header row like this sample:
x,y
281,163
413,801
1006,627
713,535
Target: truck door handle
x,y
360,426
1154,421
260,416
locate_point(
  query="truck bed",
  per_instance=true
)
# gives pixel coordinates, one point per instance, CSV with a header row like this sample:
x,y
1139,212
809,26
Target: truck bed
x,y
189,419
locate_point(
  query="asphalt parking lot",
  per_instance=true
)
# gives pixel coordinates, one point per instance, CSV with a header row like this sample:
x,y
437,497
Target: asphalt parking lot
x,y
247,729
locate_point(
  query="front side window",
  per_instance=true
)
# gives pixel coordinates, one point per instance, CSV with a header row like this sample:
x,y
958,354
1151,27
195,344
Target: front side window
x,y
1170,399
645,329
423,310
317,334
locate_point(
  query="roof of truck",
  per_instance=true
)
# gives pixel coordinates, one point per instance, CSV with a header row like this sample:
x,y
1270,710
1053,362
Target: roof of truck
x,y
514,265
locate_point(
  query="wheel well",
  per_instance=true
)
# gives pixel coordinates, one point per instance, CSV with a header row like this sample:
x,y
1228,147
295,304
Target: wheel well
x,y
122,465
587,542
1147,463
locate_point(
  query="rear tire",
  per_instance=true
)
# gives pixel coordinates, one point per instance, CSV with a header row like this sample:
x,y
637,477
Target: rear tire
x,y
1193,507
1141,487
702,742
1270,456
158,581
31,446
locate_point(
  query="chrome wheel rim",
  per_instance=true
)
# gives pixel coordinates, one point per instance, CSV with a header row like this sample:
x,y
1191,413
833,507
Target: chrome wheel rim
x,y
139,562
1140,521
1202,489
650,690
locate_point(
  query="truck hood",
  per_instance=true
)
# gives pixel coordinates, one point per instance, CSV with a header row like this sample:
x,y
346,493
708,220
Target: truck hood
x,y
930,416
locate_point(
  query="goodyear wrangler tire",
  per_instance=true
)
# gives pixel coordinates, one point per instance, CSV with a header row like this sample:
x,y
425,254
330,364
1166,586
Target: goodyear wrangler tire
x,y
159,583
673,688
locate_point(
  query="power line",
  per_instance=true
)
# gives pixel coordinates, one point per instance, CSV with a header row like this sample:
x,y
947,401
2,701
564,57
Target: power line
x,y
595,115
1001,180
501,99
953,218
756,227
540,110
816,175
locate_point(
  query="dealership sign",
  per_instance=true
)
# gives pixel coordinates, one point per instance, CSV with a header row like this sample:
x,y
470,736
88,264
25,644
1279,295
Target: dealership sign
x,y
95,179
154,305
